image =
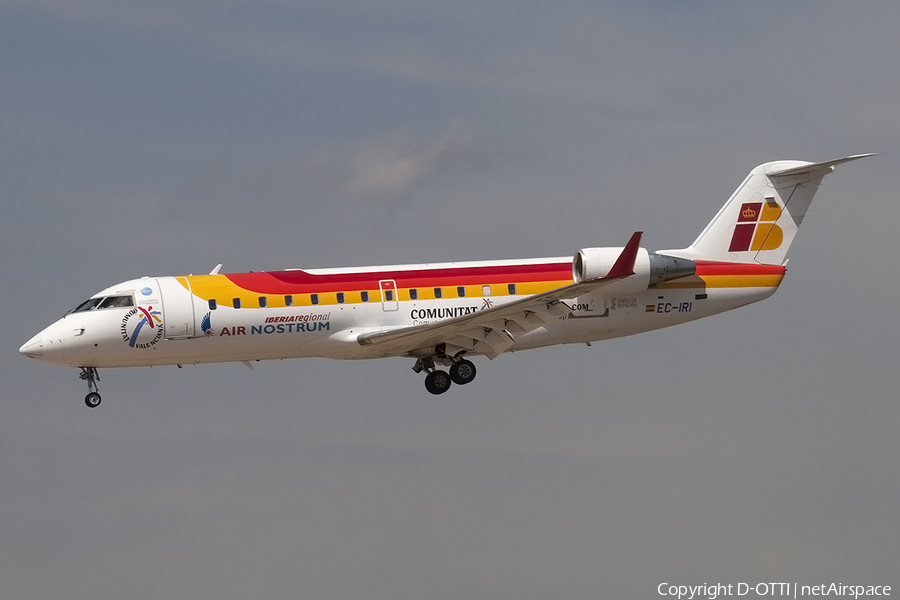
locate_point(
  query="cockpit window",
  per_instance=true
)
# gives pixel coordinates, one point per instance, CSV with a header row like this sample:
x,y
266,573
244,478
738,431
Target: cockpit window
x,y
99,303
90,304
116,302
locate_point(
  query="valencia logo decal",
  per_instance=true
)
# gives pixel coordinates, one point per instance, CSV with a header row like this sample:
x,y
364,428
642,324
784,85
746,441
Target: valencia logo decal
x,y
141,327
756,229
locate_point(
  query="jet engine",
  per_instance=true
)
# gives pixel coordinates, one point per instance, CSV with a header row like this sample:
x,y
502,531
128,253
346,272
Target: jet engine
x,y
649,269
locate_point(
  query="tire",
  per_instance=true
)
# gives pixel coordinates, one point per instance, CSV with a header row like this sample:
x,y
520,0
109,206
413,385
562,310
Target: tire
x,y
463,372
437,382
92,400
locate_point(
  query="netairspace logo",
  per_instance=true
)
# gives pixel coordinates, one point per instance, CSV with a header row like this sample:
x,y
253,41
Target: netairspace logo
x,y
771,589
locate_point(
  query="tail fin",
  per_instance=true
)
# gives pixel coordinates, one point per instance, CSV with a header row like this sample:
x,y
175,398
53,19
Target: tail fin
x,y
760,220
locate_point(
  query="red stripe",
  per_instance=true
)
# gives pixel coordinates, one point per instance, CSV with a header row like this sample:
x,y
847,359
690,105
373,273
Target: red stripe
x,y
298,282
719,268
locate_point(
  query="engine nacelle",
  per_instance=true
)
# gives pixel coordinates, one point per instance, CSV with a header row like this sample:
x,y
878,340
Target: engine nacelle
x,y
649,269
591,263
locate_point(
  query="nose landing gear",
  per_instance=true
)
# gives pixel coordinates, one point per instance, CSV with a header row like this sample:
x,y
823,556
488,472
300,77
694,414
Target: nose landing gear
x,y
90,374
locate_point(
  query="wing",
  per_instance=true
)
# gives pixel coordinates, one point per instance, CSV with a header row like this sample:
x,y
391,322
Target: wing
x,y
493,330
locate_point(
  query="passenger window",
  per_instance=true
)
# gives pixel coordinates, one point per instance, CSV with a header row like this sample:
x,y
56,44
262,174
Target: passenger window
x,y
262,302
314,298
485,290
340,297
389,295
237,302
437,292
413,294
288,300
364,296
512,289
461,291
212,304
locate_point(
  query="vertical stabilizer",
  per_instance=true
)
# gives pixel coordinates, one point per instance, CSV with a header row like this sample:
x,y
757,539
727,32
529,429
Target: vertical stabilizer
x,y
760,220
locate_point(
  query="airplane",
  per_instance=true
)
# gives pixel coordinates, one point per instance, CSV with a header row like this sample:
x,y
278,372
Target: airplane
x,y
442,314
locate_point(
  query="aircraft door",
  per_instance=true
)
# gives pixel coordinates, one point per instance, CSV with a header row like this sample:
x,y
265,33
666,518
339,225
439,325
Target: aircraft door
x,y
389,300
178,307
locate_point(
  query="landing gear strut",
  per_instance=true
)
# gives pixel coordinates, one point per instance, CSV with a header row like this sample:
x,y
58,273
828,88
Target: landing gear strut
x,y
462,371
91,375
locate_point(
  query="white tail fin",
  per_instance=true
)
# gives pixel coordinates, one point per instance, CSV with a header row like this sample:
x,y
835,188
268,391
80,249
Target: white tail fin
x,y
760,220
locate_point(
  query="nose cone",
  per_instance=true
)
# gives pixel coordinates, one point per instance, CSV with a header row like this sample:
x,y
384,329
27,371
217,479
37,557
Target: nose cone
x,y
33,348
48,345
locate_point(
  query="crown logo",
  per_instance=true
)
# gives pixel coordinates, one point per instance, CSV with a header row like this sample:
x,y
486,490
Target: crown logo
x,y
749,213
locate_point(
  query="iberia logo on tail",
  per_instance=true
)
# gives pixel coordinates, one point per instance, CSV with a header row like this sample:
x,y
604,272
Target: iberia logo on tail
x,y
756,229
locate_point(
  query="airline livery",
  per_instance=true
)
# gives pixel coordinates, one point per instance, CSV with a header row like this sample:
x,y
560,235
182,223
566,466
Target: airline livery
x,y
442,314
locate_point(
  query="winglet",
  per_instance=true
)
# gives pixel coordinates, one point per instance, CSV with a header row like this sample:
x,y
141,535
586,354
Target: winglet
x,y
624,265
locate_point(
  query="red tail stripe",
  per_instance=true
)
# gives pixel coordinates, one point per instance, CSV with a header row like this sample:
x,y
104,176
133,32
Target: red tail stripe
x,y
720,268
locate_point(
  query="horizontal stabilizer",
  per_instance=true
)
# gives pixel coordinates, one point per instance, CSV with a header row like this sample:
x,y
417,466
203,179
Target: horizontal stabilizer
x,y
826,166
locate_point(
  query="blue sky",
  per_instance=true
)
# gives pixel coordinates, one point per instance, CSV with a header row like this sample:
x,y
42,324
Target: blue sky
x,y
164,138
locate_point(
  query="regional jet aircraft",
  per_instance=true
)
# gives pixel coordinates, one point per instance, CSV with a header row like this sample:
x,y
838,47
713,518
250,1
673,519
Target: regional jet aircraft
x,y
443,314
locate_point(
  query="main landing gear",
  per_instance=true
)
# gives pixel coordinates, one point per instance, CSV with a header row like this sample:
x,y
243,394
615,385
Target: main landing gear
x,y
91,375
462,371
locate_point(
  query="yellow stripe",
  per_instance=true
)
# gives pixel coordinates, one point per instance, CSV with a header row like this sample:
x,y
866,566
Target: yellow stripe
x,y
221,289
740,281
723,281
224,291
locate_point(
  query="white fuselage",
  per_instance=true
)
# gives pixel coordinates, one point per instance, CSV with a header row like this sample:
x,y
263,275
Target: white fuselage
x,y
171,321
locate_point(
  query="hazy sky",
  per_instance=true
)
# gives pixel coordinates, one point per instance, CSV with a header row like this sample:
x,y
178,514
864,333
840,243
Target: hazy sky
x,y
155,138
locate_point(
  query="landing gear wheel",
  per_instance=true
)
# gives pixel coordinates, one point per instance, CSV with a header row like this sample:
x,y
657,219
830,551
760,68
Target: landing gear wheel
x,y
462,372
92,400
437,382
